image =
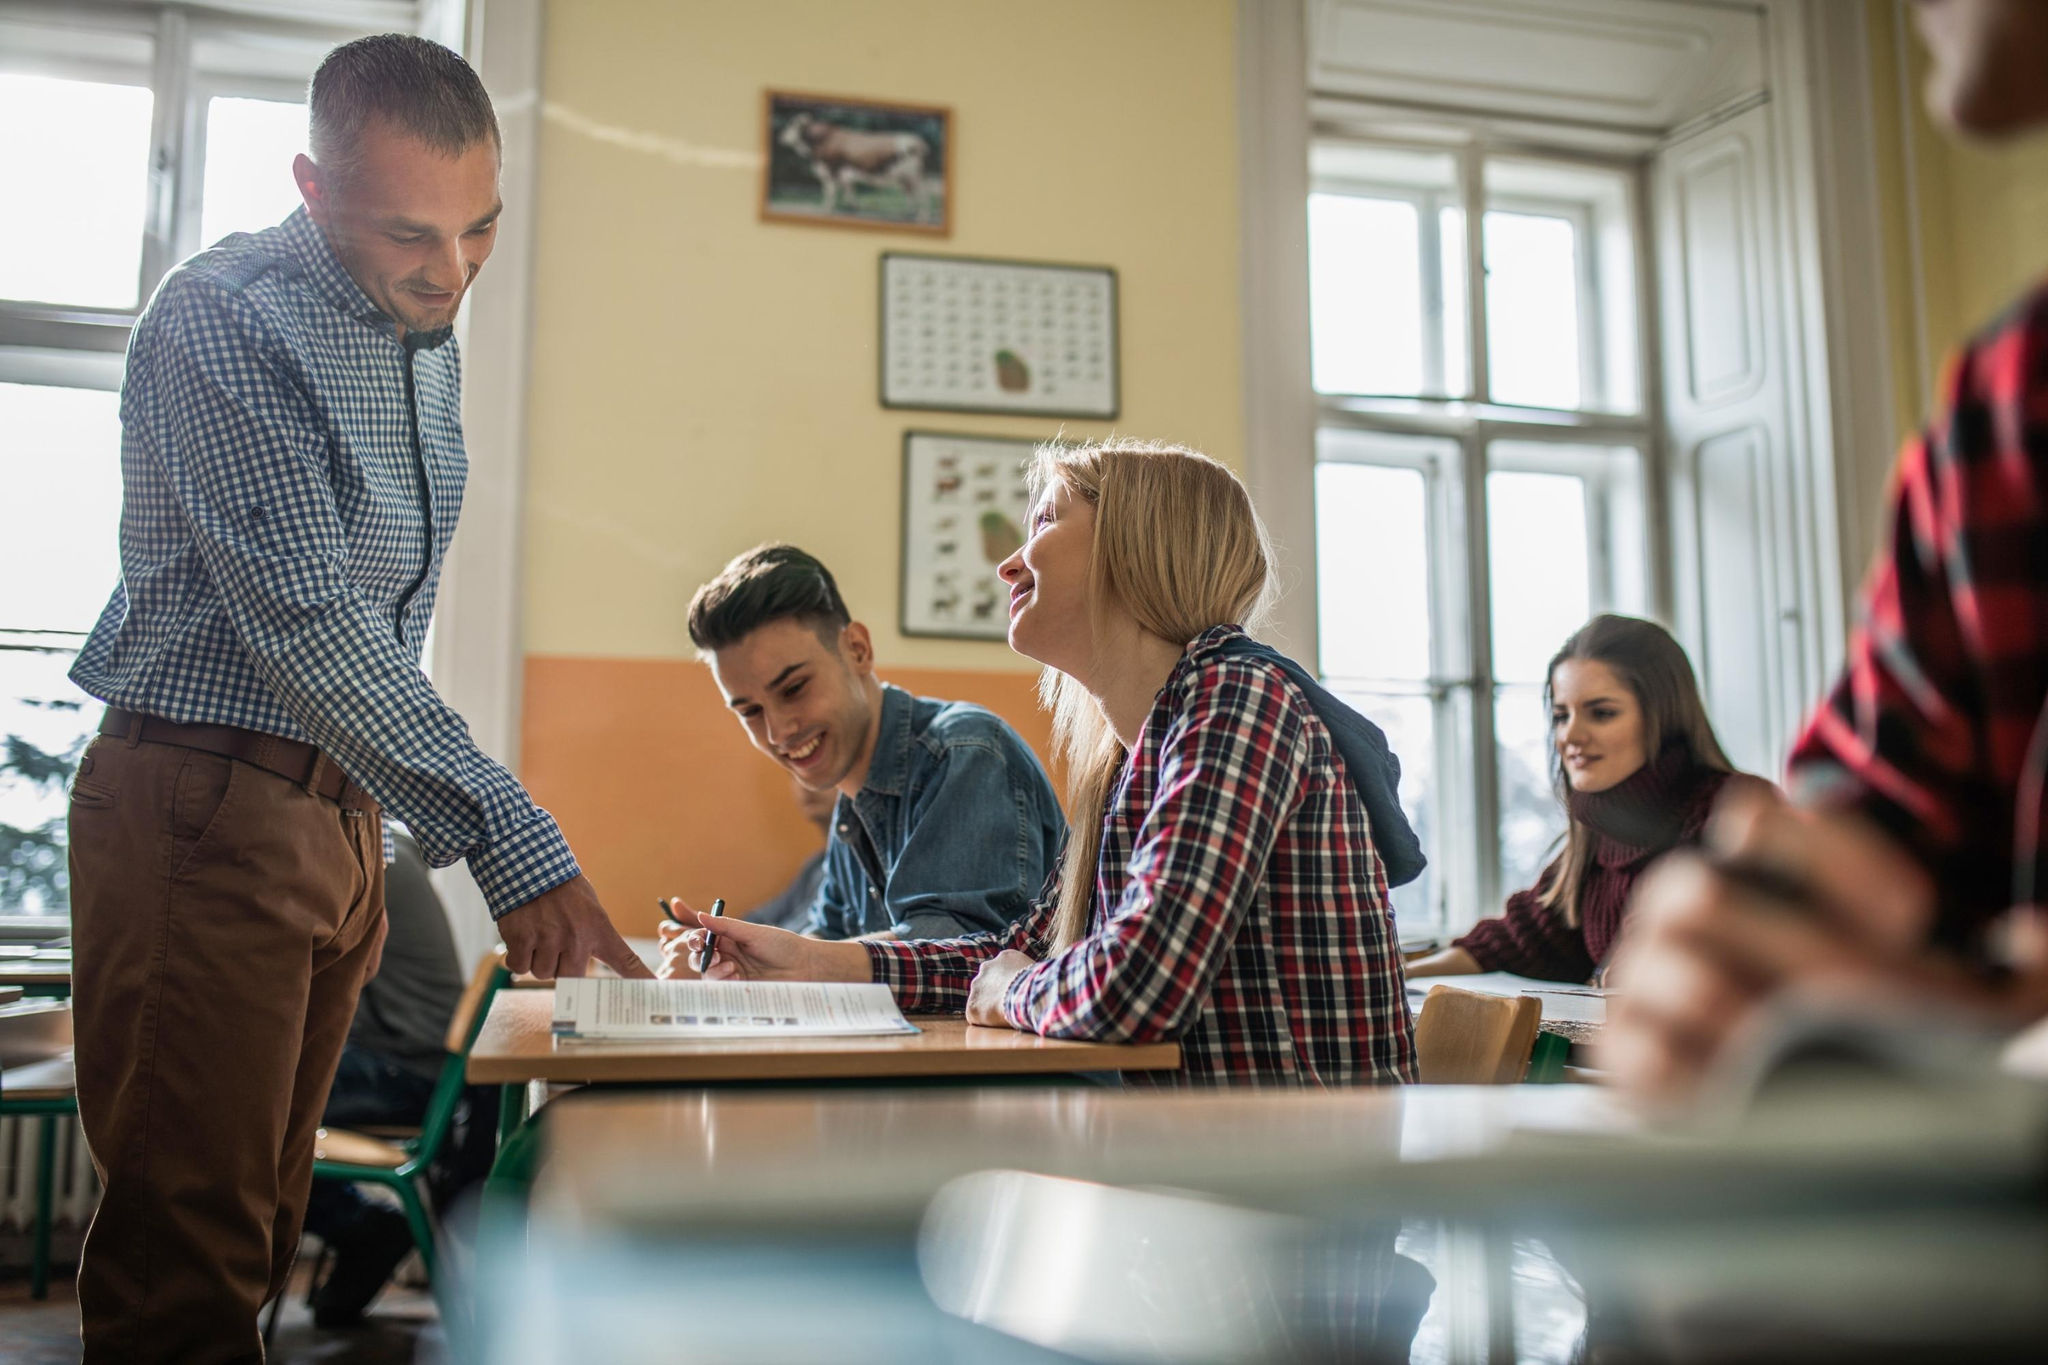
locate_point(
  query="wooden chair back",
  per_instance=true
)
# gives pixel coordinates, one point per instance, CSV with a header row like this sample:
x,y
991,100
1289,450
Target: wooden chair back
x,y
463,1025
1466,1038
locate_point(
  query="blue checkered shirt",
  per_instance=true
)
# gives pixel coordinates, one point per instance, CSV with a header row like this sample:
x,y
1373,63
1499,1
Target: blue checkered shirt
x,y
291,474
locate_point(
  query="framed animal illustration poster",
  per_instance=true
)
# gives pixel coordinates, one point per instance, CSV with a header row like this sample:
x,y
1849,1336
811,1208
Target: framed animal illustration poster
x,y
964,505
848,162
961,334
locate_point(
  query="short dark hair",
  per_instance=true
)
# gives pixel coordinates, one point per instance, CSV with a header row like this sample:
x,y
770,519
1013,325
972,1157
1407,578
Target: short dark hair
x,y
423,88
768,583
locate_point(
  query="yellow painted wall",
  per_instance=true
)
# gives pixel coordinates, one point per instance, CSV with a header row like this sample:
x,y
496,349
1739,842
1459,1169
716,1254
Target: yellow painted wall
x,y
1976,217
703,381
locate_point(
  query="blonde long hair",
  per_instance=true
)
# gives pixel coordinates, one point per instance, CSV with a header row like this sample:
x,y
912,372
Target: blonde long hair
x,y
1179,547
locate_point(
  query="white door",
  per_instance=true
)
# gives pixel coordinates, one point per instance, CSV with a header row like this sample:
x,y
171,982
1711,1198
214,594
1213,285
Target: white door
x,y
1735,541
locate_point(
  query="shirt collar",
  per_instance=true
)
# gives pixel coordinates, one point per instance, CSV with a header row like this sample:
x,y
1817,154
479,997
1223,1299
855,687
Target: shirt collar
x,y
330,278
889,766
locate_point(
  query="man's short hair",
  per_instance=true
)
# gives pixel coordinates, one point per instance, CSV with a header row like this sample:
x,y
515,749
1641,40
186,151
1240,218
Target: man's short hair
x,y
766,584
419,86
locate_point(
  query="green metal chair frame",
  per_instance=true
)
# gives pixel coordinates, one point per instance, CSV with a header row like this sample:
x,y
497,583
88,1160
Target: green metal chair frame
x,y
49,1109
408,1180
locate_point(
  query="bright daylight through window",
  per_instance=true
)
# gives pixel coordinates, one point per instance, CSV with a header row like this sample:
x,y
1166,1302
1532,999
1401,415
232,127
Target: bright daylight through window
x,y
1458,434
70,285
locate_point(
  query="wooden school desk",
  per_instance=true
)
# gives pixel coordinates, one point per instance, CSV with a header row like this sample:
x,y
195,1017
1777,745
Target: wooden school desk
x,y
517,1048
633,1157
43,974
774,1186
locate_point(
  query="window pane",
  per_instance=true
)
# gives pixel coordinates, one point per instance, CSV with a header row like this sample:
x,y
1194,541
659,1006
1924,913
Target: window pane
x,y
249,149
1530,820
71,225
1540,585
1532,310
1564,231
44,723
60,462
1410,726
1457,367
1372,557
1365,294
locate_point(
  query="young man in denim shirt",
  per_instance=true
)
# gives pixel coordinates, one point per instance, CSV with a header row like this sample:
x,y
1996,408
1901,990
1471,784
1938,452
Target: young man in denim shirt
x,y
945,824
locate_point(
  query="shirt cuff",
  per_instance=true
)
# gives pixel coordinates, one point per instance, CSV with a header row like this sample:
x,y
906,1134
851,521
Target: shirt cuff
x,y
528,862
916,984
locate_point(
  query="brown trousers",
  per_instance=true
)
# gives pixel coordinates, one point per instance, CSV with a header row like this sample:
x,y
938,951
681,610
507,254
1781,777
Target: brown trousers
x,y
223,921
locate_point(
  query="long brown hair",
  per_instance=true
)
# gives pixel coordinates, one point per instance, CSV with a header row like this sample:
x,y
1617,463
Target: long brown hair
x,y
1179,547
1654,668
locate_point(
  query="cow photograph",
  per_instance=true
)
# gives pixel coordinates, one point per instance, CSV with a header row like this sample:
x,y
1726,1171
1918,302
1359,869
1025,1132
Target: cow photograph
x,y
857,163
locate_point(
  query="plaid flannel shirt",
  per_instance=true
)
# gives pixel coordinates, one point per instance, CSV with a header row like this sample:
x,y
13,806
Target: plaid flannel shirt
x,y
291,473
1936,729
1239,903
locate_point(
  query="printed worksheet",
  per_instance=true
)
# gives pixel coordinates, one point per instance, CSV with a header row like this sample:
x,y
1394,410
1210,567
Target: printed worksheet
x,y
592,1007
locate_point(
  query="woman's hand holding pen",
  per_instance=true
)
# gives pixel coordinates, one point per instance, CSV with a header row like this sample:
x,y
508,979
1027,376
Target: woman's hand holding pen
x,y
754,952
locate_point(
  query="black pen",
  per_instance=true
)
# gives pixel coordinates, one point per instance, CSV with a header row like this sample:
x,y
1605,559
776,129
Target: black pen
x,y
711,939
663,903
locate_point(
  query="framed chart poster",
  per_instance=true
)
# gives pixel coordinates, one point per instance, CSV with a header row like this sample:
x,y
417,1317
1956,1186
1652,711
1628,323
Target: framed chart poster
x,y
961,334
964,503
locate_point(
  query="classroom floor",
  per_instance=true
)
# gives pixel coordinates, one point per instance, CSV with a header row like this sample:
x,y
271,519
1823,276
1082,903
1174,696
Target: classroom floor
x,y
402,1328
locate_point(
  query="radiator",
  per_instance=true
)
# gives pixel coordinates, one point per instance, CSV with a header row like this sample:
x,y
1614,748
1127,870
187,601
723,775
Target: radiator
x,y
76,1189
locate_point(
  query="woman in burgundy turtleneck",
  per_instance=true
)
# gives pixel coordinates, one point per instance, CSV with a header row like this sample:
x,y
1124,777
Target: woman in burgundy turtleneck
x,y
1637,769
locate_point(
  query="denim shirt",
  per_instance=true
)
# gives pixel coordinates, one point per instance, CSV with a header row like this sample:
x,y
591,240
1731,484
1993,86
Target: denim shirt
x,y
954,832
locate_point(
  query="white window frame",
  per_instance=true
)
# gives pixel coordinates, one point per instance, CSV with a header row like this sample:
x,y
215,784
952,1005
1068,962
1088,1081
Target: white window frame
x,y
54,344
171,218
1463,685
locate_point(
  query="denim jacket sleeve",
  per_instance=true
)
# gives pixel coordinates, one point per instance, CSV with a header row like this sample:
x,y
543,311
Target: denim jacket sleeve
x,y
834,914
977,852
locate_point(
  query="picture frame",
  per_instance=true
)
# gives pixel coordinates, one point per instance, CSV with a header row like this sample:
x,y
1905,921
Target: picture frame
x,y
843,161
964,505
978,334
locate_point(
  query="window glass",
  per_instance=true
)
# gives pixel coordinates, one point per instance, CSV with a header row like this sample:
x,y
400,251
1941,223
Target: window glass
x,y
1561,284
1409,720
250,144
1532,310
44,724
1530,818
1372,562
1541,584
61,457
1365,294
72,215
1451,274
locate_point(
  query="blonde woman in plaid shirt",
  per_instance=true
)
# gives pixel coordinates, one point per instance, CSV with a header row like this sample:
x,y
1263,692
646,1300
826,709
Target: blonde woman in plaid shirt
x,y
1222,886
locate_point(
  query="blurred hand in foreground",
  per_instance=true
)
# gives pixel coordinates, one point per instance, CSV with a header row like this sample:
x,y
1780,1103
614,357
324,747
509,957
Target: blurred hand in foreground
x,y
1779,899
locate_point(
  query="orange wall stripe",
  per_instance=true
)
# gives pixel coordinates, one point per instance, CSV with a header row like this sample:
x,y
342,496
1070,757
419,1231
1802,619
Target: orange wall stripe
x,y
660,793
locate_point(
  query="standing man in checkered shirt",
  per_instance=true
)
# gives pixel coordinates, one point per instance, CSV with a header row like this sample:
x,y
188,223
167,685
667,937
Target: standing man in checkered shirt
x,y
292,467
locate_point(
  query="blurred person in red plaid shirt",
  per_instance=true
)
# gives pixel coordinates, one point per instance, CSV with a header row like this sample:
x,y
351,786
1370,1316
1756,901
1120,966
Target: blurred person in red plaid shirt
x,y
1233,825
1912,854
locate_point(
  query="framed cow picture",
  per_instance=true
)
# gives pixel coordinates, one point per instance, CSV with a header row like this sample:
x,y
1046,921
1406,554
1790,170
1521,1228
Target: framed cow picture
x,y
848,162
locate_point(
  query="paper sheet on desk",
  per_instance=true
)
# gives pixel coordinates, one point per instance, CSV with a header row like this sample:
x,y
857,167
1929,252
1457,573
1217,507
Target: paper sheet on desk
x,y
593,1007
1561,999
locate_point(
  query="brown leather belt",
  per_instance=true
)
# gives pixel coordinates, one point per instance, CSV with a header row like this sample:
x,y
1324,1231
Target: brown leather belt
x,y
290,759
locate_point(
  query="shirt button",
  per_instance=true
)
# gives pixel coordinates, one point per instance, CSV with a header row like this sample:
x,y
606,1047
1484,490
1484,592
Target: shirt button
x,y
842,829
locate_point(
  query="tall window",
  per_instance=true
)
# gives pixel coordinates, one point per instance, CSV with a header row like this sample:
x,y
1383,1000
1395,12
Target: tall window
x,y
1481,464
135,136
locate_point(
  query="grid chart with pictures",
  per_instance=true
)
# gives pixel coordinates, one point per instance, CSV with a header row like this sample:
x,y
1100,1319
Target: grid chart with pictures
x,y
995,336
964,503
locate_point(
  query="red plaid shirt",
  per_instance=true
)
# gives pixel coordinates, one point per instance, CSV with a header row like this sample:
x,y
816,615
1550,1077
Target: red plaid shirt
x,y
1239,903
1932,729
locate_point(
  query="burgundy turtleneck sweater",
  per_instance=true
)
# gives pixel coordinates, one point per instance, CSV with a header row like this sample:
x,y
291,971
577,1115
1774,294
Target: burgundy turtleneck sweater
x,y
1660,806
